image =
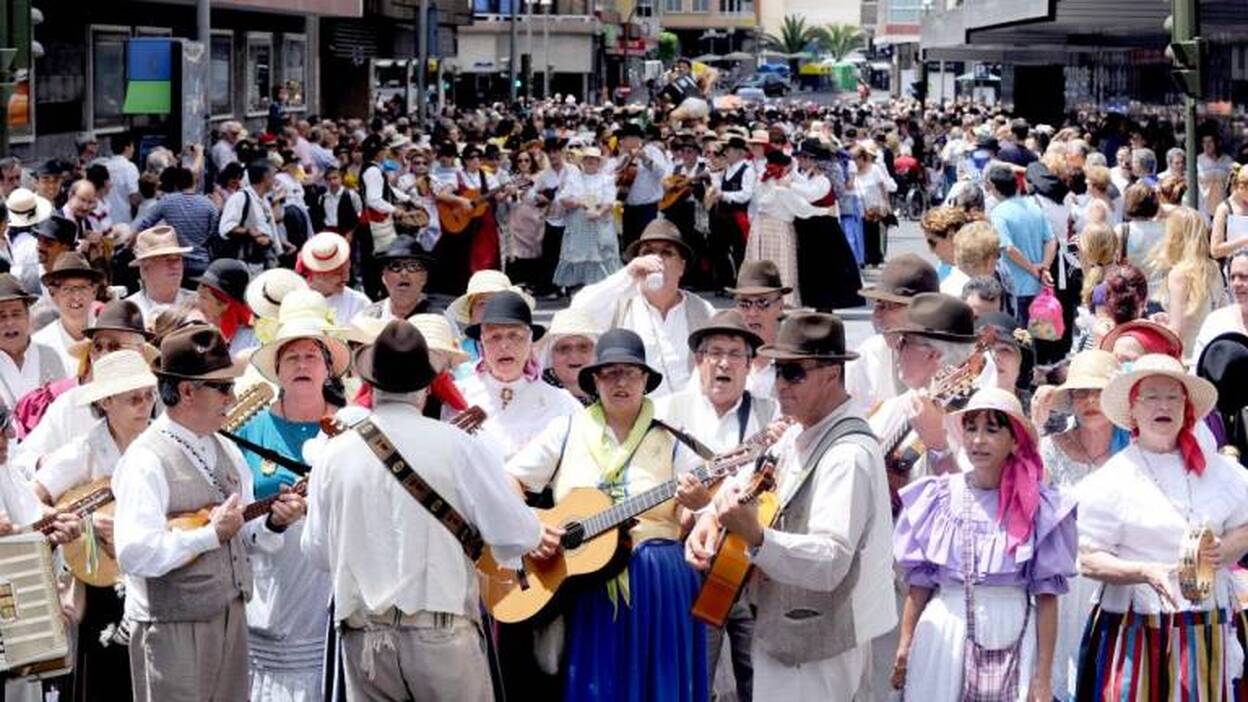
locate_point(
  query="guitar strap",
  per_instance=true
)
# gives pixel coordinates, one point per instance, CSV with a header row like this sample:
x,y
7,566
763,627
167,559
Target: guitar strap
x,y
463,531
843,428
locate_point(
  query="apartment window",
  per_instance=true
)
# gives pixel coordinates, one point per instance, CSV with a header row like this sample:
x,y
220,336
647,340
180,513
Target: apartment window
x,y
259,71
295,69
221,75
645,8
672,6
701,5
108,76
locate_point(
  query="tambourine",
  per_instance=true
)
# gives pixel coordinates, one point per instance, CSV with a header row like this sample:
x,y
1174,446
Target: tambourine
x,y
1195,573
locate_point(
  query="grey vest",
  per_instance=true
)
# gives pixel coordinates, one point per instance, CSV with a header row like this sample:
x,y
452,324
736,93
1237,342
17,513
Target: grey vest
x,y
205,587
795,625
695,314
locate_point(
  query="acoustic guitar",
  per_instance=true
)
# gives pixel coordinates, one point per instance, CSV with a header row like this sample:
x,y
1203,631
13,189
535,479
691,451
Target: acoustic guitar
x,y
731,566
677,187
92,563
591,523
454,218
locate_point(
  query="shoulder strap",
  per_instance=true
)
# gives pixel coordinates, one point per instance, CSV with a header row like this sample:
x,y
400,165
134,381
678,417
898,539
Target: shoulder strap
x,y
842,429
685,438
463,531
242,218
743,415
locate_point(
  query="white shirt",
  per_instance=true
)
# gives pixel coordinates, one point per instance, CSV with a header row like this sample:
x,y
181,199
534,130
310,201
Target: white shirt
x,y
666,337
88,456
259,216
533,404
647,188
152,309
61,422
748,181
331,201
548,180
347,304
871,379
954,282
223,154
16,382
1139,506
146,546
375,192
382,548
123,179
690,411
17,499
56,338
814,186
762,383
25,265
1229,318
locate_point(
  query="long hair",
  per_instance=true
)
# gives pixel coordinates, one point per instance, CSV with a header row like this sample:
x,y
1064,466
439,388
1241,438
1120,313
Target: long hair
x,y
1098,249
1185,249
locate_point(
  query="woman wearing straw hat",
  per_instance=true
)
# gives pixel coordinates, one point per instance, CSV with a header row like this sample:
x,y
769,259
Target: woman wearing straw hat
x,y
1135,515
590,249
121,396
567,348
286,617
976,547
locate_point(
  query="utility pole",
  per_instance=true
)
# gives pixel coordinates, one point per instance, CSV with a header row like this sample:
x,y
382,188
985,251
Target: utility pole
x,y
511,51
547,5
1187,52
422,44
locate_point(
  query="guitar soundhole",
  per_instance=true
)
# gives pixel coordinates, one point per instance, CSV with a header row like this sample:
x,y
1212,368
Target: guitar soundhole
x,y
573,536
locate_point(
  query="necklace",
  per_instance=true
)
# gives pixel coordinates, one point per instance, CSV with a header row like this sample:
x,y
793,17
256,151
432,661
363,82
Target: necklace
x,y
1186,511
1091,460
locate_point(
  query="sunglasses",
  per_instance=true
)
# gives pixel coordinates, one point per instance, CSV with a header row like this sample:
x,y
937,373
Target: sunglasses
x,y
761,303
405,266
225,387
793,372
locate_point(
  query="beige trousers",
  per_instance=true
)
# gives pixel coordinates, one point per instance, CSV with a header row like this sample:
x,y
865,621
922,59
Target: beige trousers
x,y
191,661
427,663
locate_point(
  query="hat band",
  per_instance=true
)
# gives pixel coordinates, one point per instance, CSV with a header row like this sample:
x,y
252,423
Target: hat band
x,y
24,212
264,292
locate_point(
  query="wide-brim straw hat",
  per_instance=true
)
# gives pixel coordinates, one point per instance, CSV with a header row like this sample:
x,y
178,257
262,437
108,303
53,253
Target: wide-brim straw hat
x,y
1088,370
304,314
571,322
26,209
265,292
1116,397
156,241
116,373
483,282
992,399
1142,328
324,252
438,335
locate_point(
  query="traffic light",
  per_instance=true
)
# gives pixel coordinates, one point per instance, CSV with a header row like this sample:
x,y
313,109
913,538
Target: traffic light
x,y
1188,58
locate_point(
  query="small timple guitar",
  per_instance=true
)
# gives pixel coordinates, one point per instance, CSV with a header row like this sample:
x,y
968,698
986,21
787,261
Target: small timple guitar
x,y
731,567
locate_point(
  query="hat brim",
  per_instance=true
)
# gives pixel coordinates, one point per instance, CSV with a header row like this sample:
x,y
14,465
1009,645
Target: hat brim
x,y
758,290
783,353
874,293
79,349
934,334
754,340
1116,397
340,259
90,331
164,251
231,372
265,357
43,210
461,307
585,378
90,273
953,423
109,387
473,331
631,252
411,382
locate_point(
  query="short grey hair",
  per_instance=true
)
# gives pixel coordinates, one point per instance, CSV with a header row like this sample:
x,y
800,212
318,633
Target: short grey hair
x,y
1096,158
986,286
1143,161
1174,151
952,353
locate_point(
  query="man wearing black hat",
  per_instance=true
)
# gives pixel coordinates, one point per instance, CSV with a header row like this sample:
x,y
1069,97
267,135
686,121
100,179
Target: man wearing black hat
x,y
641,202
24,364
549,182
729,216
517,403
872,379
614,445
185,590
404,274
829,552
399,575
645,296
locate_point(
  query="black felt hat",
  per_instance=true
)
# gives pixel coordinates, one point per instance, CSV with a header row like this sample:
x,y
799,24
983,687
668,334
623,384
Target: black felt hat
x,y
506,307
618,346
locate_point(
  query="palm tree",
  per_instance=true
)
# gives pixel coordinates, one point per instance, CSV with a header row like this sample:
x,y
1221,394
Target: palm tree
x,y
795,37
841,40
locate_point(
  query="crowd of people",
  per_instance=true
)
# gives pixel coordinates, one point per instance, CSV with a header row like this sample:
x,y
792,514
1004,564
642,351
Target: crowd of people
x,y
1024,485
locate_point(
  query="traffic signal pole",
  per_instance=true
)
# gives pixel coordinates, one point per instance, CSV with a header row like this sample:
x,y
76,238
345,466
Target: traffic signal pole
x,y
1187,52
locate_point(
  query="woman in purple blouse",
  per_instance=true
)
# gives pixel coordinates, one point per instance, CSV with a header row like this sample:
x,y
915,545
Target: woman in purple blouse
x,y
985,554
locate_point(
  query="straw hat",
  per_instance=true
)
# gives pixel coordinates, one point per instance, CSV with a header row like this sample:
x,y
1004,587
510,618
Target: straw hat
x,y
304,314
438,335
760,136
1088,370
483,282
997,399
265,293
324,252
364,329
26,209
157,241
571,322
115,373
1116,397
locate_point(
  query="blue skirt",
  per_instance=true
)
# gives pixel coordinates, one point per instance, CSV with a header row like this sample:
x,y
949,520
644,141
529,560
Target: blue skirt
x,y
852,225
650,650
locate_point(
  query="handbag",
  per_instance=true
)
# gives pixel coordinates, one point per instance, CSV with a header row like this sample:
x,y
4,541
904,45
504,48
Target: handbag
x,y
988,674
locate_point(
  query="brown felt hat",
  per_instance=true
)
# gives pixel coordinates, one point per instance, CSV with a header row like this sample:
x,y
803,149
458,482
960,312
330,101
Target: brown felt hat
x,y
11,289
902,278
939,316
197,352
71,264
815,335
759,278
659,230
728,323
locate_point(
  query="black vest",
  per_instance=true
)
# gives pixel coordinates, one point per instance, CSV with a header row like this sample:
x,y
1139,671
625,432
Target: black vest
x,y
732,185
386,193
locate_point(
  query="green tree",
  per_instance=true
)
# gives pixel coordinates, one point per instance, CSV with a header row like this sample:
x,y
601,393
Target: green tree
x,y
669,47
840,40
795,37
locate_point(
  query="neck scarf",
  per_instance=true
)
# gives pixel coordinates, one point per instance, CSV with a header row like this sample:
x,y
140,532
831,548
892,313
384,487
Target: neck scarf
x,y
1019,495
236,314
613,459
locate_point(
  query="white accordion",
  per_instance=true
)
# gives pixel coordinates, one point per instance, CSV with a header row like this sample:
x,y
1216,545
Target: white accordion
x,y
32,631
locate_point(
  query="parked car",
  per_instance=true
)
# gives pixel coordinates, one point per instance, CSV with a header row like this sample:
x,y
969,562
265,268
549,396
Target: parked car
x,y
771,84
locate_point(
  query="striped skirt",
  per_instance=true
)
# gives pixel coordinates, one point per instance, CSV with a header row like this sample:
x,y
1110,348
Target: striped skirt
x,y
1171,657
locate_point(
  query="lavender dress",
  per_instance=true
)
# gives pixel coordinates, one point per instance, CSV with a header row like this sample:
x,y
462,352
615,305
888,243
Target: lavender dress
x,y
927,544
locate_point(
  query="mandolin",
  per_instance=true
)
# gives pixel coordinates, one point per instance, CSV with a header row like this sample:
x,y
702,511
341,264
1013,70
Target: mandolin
x,y
454,218
949,389
677,187
731,566
89,562
591,523
625,175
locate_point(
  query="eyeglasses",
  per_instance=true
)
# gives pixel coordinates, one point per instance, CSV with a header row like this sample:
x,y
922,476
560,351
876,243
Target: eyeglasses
x,y
758,303
718,355
793,372
76,290
405,266
627,374
225,387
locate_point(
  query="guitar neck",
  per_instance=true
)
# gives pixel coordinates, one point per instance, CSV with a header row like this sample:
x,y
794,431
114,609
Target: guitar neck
x,y
82,507
261,508
620,513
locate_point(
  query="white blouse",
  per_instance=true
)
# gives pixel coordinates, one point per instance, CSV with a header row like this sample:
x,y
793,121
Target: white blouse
x,y
1139,507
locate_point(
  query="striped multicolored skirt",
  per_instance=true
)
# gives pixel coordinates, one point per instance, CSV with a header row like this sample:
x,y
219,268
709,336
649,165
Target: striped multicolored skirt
x,y
1170,657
